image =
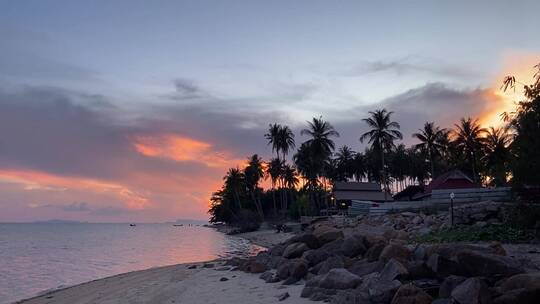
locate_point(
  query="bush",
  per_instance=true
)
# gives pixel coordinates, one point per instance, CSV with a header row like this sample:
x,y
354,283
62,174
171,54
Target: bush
x,y
502,233
246,221
522,215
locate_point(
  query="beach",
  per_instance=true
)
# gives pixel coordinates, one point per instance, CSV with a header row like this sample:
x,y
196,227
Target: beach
x,y
184,283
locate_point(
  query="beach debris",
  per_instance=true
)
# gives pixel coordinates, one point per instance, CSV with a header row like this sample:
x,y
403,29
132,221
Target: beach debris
x,y
192,267
209,265
223,279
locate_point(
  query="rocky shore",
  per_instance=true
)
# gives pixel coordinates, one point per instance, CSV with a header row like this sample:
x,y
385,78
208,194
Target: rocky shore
x,y
354,264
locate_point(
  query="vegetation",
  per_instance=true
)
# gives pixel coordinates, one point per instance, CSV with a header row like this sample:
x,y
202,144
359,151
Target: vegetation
x,y
502,233
491,156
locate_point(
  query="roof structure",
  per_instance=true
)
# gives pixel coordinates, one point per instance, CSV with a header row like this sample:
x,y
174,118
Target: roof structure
x,y
360,191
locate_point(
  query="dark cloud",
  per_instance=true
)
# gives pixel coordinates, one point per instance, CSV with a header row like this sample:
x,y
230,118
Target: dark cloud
x,y
407,65
187,89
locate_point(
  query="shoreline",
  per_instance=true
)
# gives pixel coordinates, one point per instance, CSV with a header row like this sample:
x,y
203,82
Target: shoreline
x,y
178,283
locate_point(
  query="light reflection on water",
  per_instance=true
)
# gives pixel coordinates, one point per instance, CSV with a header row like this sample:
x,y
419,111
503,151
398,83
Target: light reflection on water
x,y
37,257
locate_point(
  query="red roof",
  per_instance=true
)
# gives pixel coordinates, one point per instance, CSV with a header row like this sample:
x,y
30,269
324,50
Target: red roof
x,y
454,179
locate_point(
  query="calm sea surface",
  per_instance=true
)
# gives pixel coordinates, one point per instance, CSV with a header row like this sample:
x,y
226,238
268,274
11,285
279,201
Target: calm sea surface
x,y
38,257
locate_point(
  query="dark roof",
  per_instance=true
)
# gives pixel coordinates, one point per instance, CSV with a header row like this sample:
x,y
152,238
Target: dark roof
x,y
409,193
362,196
454,179
357,186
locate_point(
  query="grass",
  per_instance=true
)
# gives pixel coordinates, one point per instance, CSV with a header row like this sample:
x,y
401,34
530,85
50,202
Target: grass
x,y
501,233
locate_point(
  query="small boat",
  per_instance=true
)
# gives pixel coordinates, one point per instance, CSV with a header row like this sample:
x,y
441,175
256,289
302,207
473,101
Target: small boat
x,y
178,225
132,225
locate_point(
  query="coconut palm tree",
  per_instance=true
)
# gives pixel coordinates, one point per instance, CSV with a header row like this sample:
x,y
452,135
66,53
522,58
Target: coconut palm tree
x,y
286,140
253,174
290,181
359,166
382,135
274,169
431,141
468,136
497,154
344,166
320,143
234,181
273,137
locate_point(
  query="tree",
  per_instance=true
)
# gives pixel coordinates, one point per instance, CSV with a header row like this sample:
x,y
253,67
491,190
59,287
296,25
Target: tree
x,y
234,182
497,154
320,143
382,135
273,137
431,141
468,137
290,181
274,169
281,138
344,163
253,174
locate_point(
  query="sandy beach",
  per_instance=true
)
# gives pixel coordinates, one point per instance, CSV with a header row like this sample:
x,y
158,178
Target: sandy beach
x,y
181,284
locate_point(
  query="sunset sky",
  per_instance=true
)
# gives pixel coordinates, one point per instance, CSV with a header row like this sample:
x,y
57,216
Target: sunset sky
x,y
132,111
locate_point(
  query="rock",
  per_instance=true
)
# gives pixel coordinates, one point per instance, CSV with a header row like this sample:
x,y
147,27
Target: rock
x,y
269,277
472,291
223,279
487,265
480,224
283,271
307,238
395,251
333,247
442,266
520,295
497,248
295,250
224,268
374,252
314,257
410,294
379,291
283,296
317,293
372,240
449,284
339,279
331,263
417,220
208,265
254,266
429,286
525,280
277,250
393,270
363,267
298,269
326,234
350,296
419,252
419,269
236,262
353,246
192,267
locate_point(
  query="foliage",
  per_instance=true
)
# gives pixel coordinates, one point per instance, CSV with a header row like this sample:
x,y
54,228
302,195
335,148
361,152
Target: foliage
x,y
502,233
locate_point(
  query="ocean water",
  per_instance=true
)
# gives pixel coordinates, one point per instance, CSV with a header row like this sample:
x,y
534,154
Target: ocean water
x,y
44,256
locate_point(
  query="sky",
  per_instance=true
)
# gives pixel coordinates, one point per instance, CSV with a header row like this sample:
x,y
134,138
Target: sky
x,y
132,111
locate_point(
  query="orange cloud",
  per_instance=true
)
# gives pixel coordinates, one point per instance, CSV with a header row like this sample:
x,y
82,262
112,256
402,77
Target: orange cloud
x,y
517,64
34,180
180,148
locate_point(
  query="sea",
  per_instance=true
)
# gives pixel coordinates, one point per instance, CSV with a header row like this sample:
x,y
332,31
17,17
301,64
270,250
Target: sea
x,y
38,257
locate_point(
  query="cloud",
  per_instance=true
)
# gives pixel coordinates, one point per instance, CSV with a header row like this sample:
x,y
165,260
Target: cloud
x,y
407,65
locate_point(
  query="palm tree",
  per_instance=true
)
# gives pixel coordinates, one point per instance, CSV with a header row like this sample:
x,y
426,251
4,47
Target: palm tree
x,y
344,163
497,148
359,166
274,169
431,141
286,140
468,138
290,181
382,135
253,174
234,181
273,137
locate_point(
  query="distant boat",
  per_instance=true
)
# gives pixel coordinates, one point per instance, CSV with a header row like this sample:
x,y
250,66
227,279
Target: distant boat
x,y
178,225
132,225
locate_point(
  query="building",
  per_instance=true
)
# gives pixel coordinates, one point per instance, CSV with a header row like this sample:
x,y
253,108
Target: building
x,y
454,179
345,192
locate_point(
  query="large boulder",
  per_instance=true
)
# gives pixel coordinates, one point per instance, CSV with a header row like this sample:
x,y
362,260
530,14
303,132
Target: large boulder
x,y
339,278
253,266
326,234
295,250
353,246
410,294
314,257
379,291
395,251
475,263
442,266
374,252
298,269
277,250
449,284
269,277
331,263
418,269
472,291
363,267
521,288
307,238
393,270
